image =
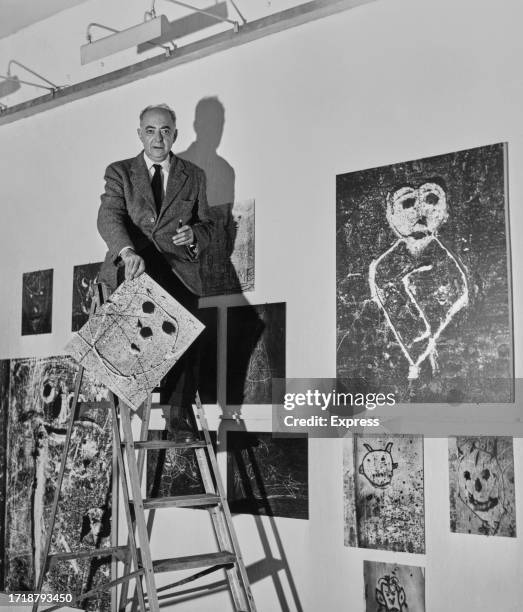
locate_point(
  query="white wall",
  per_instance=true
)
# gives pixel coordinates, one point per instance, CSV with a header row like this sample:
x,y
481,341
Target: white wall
x,y
386,82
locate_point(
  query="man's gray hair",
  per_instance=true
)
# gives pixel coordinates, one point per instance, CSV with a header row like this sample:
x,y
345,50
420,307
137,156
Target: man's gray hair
x,y
164,107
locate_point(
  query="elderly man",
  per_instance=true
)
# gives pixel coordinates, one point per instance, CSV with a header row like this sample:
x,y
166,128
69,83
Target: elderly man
x,y
154,217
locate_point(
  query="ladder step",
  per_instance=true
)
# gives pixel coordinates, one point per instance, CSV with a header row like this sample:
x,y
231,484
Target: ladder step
x,y
158,406
194,561
118,551
182,501
161,444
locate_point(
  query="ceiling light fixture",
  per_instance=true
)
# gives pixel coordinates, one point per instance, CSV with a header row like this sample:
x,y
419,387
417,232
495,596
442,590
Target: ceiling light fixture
x,y
119,40
12,83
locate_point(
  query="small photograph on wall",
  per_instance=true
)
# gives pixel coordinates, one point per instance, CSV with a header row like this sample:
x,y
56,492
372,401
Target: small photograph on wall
x,y
39,408
227,266
391,587
85,279
482,489
423,279
37,302
173,471
255,352
208,378
267,475
384,500
4,407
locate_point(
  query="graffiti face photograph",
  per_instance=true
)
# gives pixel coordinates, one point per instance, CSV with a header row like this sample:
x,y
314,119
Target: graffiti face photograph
x,y
482,493
384,492
423,283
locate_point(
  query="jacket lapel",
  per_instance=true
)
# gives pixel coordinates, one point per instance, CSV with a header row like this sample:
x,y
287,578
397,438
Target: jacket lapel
x,y
141,179
175,182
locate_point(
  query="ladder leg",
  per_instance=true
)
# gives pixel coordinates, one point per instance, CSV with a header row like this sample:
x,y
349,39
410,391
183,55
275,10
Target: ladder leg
x,y
65,452
141,526
125,493
222,521
146,416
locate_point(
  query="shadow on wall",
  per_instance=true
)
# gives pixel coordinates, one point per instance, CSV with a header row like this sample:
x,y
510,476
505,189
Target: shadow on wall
x,y
217,270
209,123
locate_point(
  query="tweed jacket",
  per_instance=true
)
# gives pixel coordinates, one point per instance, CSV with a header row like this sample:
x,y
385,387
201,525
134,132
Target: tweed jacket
x,y
127,217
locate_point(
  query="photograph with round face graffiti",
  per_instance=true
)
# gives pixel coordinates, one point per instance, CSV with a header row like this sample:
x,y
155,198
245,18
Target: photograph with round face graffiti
x,y
482,493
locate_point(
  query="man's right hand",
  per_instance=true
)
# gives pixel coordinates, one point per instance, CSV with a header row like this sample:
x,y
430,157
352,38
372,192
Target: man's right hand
x,y
134,264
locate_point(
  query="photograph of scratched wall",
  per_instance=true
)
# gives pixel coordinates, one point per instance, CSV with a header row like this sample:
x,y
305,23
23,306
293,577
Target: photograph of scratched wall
x,y
390,587
482,489
39,408
37,302
84,280
267,475
227,265
173,471
208,376
255,352
383,482
423,289
4,405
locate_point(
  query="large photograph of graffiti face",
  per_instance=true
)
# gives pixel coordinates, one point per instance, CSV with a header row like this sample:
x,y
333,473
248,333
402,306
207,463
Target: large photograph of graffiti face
x,y
423,285
39,408
482,489
384,492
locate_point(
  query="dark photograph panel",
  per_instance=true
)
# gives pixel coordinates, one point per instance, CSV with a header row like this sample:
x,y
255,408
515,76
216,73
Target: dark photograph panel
x,y
37,302
255,352
267,475
84,280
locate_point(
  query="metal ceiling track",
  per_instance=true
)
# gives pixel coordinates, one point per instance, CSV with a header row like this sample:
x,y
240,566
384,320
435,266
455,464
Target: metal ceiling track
x,y
248,32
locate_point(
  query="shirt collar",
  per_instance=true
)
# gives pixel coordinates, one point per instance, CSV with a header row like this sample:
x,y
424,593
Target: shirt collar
x,y
166,164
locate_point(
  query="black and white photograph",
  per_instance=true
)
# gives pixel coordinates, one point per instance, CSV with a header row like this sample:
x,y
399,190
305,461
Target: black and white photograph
x,y
84,282
423,298
37,302
267,476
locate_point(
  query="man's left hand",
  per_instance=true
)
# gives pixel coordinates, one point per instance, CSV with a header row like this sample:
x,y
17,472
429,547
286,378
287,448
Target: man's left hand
x,y
184,236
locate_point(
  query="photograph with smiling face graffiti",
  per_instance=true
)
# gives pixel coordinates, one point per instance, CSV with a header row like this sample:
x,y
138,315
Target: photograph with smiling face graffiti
x,y
482,490
423,291
383,482
390,587
134,339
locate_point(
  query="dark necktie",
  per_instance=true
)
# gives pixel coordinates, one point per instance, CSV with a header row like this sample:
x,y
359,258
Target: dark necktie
x,y
157,186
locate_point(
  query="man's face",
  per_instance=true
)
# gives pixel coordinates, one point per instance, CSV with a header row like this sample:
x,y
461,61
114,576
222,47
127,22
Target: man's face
x,y
157,133
417,213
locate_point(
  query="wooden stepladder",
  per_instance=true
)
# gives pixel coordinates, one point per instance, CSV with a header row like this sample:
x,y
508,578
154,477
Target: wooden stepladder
x,y
138,564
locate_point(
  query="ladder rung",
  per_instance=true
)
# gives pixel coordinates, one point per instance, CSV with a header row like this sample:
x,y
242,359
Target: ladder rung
x,y
157,406
161,444
117,551
193,561
182,501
